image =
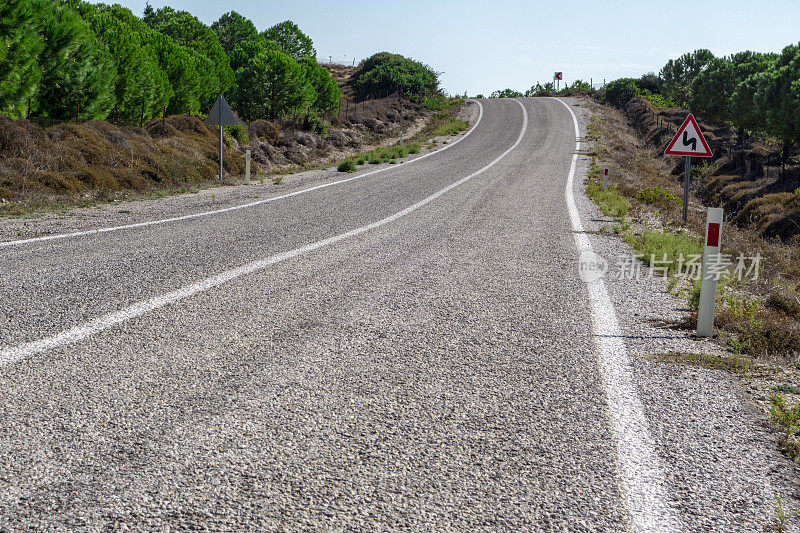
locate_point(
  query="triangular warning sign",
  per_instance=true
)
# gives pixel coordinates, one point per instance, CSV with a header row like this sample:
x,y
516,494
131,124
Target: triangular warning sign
x,y
221,114
689,140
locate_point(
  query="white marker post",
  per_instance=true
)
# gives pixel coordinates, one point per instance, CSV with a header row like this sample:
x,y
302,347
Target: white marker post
x,y
247,167
708,281
605,178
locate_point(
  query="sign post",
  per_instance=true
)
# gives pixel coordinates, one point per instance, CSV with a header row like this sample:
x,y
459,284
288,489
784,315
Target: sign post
x,y
221,115
709,276
247,167
688,142
557,77
605,178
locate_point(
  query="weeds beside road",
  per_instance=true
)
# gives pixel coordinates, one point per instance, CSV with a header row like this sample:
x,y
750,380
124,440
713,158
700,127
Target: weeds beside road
x,y
758,315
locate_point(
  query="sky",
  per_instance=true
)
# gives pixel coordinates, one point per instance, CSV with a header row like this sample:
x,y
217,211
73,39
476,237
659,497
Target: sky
x,y
479,47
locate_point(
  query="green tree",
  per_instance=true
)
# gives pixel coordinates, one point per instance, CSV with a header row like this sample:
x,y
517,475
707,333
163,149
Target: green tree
x,y
246,51
293,41
326,91
712,90
745,113
678,74
620,92
77,69
140,80
209,59
778,98
383,73
271,85
20,46
232,30
506,93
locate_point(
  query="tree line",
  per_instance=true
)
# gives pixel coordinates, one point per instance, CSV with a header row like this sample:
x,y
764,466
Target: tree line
x,y
754,92
59,58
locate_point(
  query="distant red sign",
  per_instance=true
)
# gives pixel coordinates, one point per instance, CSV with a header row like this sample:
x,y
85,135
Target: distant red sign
x,y
559,75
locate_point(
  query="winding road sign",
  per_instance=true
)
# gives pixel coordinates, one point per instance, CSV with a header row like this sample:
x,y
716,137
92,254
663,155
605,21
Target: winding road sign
x,y
689,141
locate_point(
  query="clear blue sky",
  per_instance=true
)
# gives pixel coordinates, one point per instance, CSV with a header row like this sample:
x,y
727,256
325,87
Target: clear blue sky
x,y
488,45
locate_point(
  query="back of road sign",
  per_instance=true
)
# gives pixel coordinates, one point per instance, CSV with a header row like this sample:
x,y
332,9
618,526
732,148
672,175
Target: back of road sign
x,y
221,114
689,141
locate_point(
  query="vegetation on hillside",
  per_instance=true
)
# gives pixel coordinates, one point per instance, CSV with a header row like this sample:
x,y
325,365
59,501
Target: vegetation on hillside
x,y
383,74
755,93
68,59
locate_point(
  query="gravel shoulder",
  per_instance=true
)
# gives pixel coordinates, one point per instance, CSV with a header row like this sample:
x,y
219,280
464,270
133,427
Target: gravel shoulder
x,y
724,466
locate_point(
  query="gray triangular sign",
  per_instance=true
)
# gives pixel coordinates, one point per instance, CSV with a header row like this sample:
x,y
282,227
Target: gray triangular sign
x,y
221,114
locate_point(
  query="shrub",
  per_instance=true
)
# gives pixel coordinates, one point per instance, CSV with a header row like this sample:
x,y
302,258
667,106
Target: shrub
x,y
385,73
316,124
438,103
658,196
348,165
238,132
620,92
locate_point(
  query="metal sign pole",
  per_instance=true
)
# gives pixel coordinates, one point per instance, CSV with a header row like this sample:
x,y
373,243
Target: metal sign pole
x,y
686,188
220,152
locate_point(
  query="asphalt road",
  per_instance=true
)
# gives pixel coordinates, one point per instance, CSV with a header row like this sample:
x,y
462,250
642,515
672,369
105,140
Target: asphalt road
x,y
426,368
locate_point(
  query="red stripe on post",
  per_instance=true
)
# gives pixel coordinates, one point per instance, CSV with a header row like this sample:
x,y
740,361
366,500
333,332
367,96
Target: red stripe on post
x,y
713,234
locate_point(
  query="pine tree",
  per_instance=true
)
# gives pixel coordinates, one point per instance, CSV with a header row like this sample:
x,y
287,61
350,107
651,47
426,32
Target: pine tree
x,y
292,41
212,65
78,73
232,30
20,46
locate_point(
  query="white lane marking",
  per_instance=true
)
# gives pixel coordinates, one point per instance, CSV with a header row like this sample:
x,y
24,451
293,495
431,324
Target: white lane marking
x,y
641,469
236,207
24,351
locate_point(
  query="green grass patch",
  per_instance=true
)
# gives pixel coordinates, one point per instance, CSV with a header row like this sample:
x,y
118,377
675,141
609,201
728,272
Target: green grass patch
x,y
385,154
659,197
787,389
453,126
664,249
348,165
787,418
610,201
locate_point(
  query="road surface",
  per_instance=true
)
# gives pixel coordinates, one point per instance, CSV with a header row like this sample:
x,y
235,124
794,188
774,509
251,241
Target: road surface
x,y
413,348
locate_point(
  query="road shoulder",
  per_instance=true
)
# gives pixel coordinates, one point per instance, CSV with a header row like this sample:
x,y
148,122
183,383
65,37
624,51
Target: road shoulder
x,y
724,467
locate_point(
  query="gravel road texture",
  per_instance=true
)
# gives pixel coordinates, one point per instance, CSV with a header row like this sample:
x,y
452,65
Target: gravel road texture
x,y
438,372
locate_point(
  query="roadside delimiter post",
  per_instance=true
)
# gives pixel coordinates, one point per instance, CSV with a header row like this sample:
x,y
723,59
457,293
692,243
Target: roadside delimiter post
x,y
710,273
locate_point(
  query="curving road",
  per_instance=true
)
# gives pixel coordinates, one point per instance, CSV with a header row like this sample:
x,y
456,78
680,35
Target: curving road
x,y
409,349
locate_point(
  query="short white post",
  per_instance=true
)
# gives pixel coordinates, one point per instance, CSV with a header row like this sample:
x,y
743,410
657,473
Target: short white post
x,y
605,178
247,167
708,280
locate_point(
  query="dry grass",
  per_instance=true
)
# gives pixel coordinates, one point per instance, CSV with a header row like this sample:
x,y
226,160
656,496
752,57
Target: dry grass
x,y
770,327
96,161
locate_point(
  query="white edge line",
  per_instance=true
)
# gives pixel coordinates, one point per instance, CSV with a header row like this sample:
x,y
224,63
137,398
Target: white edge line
x,y
236,207
78,333
641,469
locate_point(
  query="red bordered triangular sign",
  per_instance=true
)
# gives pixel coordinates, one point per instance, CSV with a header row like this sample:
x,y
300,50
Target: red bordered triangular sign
x,y
689,141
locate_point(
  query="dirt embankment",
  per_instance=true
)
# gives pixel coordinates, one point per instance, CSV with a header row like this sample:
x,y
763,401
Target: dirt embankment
x,y
81,164
746,176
